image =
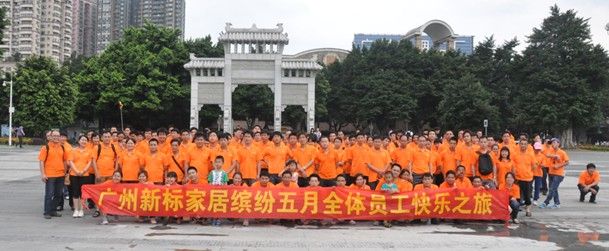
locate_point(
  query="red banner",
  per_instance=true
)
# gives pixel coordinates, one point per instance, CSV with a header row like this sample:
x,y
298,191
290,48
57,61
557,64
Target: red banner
x,y
296,203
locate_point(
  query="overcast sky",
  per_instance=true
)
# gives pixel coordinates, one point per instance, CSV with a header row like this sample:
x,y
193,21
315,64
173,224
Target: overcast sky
x,y
331,23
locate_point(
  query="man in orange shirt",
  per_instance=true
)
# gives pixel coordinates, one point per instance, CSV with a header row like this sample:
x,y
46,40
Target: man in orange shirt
x,y
199,157
155,163
229,154
357,157
263,181
164,142
340,152
286,180
466,154
249,157
53,159
449,156
420,161
326,161
400,154
275,156
378,162
106,158
177,160
305,157
588,183
557,173
524,163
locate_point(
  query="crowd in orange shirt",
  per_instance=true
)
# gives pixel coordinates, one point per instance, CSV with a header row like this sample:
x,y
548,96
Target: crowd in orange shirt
x,y
261,159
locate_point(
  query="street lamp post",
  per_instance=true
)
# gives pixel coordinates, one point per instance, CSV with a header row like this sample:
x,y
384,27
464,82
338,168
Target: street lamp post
x,y
11,110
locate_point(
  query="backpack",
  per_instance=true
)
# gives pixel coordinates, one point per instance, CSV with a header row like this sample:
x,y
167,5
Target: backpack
x,y
47,148
99,151
485,164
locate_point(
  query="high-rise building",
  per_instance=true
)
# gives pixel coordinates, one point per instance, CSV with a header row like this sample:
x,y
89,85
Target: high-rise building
x,y
113,16
37,27
84,26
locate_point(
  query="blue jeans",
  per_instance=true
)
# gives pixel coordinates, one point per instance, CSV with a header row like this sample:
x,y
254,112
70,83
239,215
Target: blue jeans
x,y
555,181
515,205
53,194
537,183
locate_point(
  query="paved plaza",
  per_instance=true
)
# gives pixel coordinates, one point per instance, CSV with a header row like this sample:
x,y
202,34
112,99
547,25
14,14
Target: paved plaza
x,y
575,226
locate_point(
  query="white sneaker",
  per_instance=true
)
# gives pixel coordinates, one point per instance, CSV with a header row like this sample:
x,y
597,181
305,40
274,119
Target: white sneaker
x,y
75,214
81,213
535,203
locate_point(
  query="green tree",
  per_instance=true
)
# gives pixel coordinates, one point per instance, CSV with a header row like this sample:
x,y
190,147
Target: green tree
x,y
562,74
144,70
252,103
465,104
45,97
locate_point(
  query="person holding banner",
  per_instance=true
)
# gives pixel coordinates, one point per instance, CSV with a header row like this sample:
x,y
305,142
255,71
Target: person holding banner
x,y
514,192
360,183
116,179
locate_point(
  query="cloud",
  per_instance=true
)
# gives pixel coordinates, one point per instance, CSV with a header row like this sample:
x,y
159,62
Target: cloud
x,y
316,23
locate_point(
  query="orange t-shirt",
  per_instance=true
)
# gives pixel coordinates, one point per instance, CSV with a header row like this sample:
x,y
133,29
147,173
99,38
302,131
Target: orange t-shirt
x,y
379,159
248,158
229,155
258,185
199,157
468,157
403,186
562,158
327,163
586,179
81,158
304,155
539,158
446,185
131,163
281,185
523,165
449,160
400,156
489,176
156,165
106,160
142,147
463,183
180,158
364,187
503,167
435,161
358,155
420,187
275,157
421,160
513,191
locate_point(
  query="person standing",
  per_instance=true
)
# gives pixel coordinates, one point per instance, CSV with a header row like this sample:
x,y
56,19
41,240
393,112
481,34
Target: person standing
x,y
524,162
560,160
53,159
20,134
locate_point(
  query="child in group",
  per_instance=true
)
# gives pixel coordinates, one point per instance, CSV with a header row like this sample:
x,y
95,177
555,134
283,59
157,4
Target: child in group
x,y
217,177
117,176
588,183
390,187
292,167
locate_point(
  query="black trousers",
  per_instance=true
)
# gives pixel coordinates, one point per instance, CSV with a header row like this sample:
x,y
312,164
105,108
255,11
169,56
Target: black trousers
x,y
582,193
526,188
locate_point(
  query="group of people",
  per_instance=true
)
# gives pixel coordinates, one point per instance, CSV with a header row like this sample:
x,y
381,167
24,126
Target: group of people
x,y
398,162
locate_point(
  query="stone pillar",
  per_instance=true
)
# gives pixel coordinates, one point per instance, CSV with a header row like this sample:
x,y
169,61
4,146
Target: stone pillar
x,y
194,99
277,95
227,113
310,109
